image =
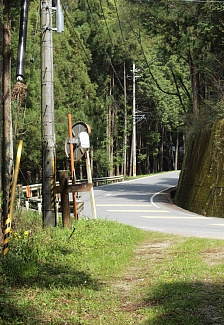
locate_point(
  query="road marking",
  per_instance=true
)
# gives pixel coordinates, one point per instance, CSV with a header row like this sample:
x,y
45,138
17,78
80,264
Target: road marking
x,y
150,176
154,195
173,217
217,224
123,205
158,211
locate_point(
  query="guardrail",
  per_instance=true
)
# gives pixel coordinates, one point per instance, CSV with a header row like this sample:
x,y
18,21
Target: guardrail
x,y
35,190
31,194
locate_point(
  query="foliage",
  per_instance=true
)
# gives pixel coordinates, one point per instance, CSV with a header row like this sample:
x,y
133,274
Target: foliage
x,y
177,48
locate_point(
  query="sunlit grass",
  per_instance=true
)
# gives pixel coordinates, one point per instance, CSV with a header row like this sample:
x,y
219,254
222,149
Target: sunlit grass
x,y
108,273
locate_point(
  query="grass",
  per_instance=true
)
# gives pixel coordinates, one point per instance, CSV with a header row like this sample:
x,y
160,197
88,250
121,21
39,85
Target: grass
x,y
109,273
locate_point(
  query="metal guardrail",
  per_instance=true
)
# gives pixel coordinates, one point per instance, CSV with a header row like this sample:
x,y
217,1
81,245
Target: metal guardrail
x,y
35,190
32,193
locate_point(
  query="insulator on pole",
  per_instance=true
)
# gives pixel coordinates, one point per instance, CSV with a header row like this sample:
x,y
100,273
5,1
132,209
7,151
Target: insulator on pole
x,y
22,39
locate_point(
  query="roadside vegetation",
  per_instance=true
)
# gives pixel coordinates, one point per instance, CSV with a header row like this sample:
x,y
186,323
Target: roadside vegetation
x,y
178,53
108,273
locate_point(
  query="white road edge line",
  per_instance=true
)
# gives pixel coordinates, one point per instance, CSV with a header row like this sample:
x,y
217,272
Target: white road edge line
x,y
173,217
134,211
154,195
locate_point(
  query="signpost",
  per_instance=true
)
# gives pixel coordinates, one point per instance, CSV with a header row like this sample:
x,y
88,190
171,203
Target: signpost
x,y
76,146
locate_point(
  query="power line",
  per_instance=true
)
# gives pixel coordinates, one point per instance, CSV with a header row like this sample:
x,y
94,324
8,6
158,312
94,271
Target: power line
x,y
77,36
105,50
146,61
101,6
85,52
119,22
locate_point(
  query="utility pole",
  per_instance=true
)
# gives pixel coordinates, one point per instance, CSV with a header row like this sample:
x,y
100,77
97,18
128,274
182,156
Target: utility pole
x,y
47,108
134,126
134,70
125,125
47,114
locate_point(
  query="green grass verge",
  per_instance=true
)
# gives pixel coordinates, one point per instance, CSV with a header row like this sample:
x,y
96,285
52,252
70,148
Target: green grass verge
x,y
109,273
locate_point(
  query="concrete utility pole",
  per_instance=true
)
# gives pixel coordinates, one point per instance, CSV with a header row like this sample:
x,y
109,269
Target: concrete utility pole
x,y
47,108
47,105
125,125
134,126
134,70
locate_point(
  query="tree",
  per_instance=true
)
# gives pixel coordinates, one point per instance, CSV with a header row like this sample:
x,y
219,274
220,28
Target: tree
x,y
1,106
7,120
176,46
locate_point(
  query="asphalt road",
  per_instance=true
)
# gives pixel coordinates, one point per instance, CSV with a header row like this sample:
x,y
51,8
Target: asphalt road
x,y
142,203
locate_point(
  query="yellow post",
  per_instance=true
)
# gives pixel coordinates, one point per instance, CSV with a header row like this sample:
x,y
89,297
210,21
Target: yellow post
x,y
8,222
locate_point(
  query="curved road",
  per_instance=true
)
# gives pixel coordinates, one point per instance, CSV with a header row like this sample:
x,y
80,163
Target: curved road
x,y
142,203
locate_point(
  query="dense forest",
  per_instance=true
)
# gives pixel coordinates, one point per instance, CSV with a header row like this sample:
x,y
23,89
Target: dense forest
x,y
177,49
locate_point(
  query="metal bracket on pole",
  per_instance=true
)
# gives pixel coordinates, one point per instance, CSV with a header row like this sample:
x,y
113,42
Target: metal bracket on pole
x,y
73,141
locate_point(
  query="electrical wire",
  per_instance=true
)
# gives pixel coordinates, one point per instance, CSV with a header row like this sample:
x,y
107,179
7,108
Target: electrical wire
x,y
85,52
77,36
105,50
108,31
119,22
138,38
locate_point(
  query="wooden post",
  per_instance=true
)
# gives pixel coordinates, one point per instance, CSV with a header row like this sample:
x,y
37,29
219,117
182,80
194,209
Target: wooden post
x,y
65,206
8,221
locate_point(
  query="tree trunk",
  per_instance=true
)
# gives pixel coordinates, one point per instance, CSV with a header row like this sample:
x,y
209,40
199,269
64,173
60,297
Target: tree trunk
x,y
131,158
110,125
195,85
176,152
124,167
161,149
7,120
1,107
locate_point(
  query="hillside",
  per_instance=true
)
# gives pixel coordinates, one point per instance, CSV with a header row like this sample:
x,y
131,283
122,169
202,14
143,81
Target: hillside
x,y
201,183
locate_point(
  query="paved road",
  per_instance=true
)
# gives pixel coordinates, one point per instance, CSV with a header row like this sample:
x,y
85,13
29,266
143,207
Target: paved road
x,y
142,203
